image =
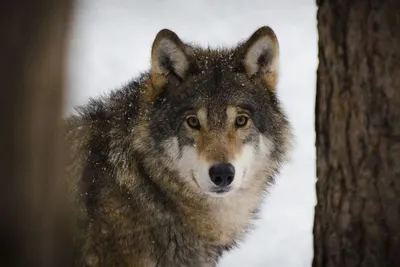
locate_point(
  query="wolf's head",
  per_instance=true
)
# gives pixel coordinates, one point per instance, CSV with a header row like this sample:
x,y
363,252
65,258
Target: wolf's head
x,y
214,112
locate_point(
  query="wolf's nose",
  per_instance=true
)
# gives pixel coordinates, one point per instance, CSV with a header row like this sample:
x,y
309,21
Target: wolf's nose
x,y
222,174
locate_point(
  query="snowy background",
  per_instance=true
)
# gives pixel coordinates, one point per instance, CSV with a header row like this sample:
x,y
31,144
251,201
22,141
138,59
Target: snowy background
x,y
110,45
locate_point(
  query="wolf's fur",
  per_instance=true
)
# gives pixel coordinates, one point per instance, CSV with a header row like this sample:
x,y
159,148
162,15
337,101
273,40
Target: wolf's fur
x,y
139,174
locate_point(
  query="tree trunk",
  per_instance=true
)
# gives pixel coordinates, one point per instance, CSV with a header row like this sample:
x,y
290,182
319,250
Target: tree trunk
x,y
33,228
357,219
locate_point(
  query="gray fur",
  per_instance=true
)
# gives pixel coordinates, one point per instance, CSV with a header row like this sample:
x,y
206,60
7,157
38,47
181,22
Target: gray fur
x,y
133,207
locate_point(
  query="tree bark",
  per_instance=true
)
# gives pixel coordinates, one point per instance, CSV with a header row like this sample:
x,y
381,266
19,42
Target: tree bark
x,y
357,217
33,229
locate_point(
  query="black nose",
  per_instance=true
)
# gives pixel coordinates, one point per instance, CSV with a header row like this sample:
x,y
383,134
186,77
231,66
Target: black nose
x,y
222,174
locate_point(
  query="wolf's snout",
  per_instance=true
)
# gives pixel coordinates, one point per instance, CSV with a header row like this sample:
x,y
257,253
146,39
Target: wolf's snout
x,y
222,174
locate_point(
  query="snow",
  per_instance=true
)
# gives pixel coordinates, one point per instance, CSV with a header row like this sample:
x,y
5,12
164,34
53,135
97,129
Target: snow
x,y
110,44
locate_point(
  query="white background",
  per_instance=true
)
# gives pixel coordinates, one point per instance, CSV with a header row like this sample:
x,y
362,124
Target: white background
x,y
110,44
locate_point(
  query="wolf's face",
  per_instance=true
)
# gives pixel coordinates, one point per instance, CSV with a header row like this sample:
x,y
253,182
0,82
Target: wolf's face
x,y
219,148
215,114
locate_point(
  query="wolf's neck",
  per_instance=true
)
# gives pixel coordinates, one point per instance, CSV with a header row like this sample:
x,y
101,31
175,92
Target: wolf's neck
x,y
223,221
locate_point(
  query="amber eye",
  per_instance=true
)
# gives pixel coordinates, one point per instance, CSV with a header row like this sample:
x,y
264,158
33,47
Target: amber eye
x,y
193,122
241,121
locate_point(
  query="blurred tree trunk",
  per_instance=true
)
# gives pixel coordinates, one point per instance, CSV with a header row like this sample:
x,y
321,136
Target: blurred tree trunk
x,y
357,219
33,228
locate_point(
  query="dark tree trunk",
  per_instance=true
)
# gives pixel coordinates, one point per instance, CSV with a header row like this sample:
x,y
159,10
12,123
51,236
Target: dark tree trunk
x,y
357,219
32,46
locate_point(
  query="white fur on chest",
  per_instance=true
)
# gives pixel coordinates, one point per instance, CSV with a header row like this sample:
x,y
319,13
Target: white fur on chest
x,y
232,215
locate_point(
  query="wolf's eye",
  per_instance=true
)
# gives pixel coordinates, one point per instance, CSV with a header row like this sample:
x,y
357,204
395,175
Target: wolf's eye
x,y
193,122
241,121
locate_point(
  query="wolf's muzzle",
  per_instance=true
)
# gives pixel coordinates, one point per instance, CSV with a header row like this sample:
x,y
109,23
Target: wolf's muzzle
x,y
222,174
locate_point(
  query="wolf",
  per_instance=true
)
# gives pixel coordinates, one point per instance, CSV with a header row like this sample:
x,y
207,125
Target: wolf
x,y
170,169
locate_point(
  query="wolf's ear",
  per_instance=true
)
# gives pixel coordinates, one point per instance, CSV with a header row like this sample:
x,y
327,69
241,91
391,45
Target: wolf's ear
x,y
171,60
259,56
